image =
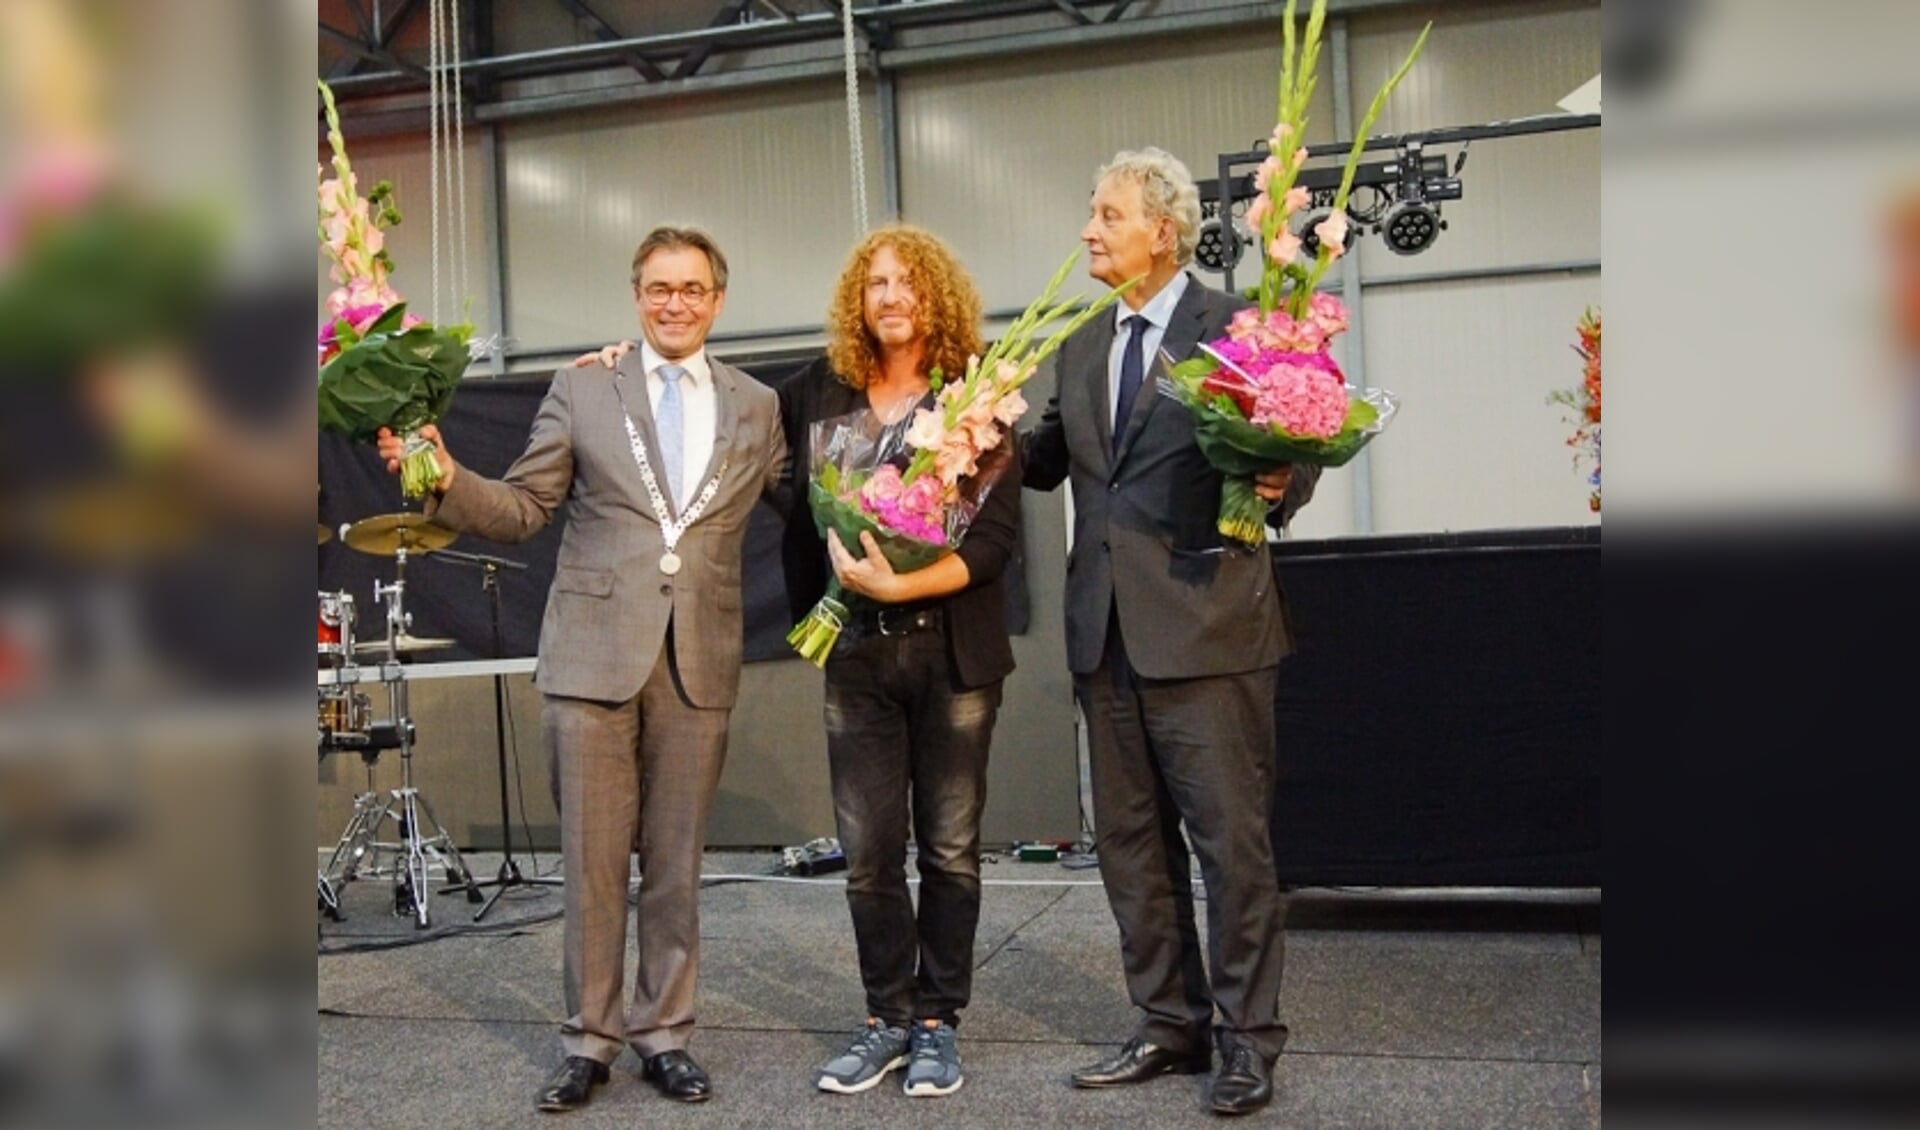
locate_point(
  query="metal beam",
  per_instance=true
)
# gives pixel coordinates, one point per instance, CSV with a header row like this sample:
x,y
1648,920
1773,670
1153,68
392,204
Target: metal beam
x,y
360,48
389,28
727,16
1074,13
604,32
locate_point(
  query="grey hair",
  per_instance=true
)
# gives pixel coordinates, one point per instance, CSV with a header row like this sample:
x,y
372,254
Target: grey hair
x,y
1168,189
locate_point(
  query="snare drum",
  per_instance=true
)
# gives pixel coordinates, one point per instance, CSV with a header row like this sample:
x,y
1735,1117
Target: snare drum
x,y
336,626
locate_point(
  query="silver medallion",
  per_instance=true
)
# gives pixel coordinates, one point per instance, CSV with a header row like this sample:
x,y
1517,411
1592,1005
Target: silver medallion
x,y
670,563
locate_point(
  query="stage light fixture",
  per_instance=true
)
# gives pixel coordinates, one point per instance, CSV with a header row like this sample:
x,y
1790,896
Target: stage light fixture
x,y
1212,251
1411,227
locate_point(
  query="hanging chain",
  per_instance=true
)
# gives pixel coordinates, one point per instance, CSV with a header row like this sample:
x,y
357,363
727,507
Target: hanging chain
x,y
853,122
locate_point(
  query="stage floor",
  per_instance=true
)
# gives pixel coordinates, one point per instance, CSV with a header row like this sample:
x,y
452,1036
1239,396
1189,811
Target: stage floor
x,y
1454,1009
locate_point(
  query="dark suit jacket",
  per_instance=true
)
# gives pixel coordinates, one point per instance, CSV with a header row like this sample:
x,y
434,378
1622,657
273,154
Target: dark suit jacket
x,y
1144,512
977,643
608,610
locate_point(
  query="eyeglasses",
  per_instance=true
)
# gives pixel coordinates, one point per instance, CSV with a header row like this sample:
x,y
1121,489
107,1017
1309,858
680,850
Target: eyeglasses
x,y
693,294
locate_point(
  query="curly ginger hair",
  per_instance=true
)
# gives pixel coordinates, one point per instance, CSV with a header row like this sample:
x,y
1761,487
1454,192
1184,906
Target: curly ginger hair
x,y
948,314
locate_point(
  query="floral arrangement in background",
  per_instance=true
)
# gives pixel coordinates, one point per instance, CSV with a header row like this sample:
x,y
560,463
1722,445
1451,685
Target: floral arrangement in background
x,y
917,489
1584,401
1270,392
380,366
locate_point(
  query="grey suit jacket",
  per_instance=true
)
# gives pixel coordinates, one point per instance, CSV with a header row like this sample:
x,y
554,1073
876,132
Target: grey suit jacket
x,y
609,606
1144,514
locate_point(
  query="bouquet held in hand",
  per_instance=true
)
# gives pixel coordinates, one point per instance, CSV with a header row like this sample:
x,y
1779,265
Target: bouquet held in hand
x,y
916,486
380,366
1270,392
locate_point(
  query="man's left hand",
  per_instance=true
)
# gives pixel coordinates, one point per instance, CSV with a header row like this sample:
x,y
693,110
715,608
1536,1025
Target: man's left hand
x,y
1272,484
870,576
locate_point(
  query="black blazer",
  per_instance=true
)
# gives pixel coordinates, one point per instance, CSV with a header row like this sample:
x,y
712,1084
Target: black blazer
x,y
978,646
1145,507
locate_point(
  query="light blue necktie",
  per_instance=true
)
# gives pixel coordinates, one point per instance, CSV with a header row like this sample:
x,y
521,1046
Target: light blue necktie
x,y
667,422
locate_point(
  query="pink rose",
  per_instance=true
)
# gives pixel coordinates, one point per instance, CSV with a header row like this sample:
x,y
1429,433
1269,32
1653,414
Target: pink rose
x,y
1329,313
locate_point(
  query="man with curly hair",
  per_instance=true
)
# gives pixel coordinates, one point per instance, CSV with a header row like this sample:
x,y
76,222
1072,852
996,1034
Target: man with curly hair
x,y
913,686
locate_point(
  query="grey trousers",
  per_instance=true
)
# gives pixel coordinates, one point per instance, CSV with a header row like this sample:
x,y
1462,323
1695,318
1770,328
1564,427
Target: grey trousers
x,y
1198,752
640,772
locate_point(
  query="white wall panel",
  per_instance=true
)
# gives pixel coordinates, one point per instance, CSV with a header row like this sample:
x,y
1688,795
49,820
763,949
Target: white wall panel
x,y
998,157
766,172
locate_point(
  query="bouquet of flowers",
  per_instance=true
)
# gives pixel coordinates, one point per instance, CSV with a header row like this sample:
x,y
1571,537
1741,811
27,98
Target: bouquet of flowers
x,y
380,366
1270,392
916,486
1584,400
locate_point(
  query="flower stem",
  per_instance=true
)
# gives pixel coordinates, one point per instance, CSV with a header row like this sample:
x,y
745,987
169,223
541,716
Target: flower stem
x,y
814,636
1243,514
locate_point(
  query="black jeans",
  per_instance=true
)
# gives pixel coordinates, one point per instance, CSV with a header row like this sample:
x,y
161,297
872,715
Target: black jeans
x,y
903,740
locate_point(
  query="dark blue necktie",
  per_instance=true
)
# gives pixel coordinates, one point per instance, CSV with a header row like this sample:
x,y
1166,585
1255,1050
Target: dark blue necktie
x,y
1132,370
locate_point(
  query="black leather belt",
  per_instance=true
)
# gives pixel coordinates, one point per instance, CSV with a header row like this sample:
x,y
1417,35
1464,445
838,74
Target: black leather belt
x,y
895,621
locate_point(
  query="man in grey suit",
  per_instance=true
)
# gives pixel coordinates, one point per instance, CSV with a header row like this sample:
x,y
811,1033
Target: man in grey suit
x,y
1174,639
640,648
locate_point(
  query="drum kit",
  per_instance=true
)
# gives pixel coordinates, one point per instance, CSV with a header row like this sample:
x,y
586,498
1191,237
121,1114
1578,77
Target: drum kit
x,y
347,723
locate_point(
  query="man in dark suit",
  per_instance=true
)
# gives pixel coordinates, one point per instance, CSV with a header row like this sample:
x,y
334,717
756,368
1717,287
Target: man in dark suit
x,y
659,469
1174,638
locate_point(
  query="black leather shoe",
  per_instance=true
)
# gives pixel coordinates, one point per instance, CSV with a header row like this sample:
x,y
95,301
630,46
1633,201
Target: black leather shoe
x,y
678,1077
1138,1061
572,1085
1245,1082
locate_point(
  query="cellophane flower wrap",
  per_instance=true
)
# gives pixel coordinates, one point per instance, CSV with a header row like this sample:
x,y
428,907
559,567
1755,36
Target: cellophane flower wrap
x,y
1270,392
917,484
380,366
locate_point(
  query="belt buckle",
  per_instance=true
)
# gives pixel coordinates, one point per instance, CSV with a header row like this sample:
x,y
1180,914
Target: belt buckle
x,y
905,625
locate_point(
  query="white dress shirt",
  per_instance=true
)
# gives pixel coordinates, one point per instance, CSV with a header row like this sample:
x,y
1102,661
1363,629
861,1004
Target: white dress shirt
x,y
1158,311
697,411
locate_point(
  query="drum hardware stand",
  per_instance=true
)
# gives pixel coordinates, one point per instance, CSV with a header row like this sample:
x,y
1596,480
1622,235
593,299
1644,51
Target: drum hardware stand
x,y
371,813
510,875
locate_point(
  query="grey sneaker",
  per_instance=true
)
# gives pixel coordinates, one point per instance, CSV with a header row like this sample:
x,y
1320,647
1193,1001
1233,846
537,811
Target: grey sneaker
x,y
934,1068
874,1052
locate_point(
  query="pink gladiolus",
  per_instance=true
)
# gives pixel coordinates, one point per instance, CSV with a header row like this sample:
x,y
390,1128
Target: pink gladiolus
x,y
1280,134
1257,212
927,428
1297,198
1263,175
1009,408
1006,375
1332,232
1285,246
1299,156
955,462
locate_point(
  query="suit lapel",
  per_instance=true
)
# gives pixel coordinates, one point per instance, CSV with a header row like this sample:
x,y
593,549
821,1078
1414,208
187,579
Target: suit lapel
x,y
1099,398
639,408
726,420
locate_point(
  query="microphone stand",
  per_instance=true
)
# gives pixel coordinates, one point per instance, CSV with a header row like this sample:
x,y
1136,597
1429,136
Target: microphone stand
x,y
510,875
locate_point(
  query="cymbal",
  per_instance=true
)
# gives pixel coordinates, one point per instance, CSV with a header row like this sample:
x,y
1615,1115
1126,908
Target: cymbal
x,y
324,535
403,642
384,534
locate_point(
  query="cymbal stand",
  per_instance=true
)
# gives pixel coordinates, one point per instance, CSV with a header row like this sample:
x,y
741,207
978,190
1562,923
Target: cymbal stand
x,y
418,849
510,875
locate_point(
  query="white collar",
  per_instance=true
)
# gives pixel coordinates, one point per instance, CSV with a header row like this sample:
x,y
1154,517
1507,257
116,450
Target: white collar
x,y
696,366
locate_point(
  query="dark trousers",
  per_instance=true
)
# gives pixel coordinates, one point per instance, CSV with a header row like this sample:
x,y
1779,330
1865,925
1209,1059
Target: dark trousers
x,y
904,742
1164,752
